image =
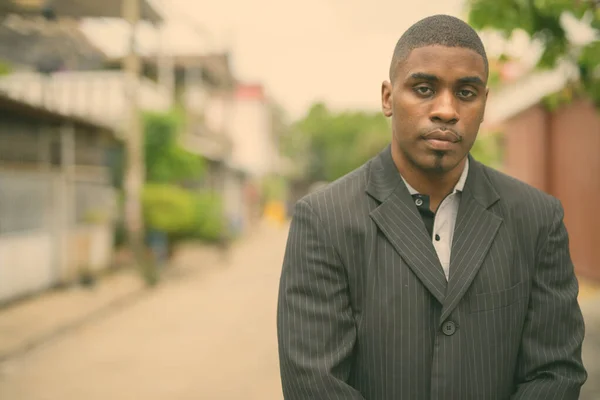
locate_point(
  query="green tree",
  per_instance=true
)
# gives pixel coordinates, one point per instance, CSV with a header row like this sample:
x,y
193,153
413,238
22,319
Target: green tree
x,y
330,144
541,20
166,160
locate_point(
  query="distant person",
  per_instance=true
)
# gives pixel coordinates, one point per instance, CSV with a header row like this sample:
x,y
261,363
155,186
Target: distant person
x,y
424,274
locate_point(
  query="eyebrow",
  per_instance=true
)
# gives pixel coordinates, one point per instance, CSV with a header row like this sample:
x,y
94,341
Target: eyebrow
x,y
474,80
425,77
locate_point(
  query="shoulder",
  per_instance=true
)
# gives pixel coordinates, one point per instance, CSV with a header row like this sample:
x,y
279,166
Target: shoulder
x,y
339,194
521,199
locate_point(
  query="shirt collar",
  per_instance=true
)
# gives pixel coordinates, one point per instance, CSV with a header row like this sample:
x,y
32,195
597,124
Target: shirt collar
x,y
460,185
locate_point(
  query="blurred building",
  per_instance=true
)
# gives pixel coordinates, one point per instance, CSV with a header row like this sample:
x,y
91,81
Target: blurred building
x,y
228,122
58,120
98,95
75,9
51,62
555,151
34,44
56,198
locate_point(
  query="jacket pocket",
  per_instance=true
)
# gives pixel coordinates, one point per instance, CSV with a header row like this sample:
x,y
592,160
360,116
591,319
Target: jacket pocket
x,y
494,300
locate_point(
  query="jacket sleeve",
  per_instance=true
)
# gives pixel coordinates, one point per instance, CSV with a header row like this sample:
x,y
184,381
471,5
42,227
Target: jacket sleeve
x,y
550,364
315,326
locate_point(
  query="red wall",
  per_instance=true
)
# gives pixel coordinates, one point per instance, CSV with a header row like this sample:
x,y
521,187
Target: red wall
x,y
560,153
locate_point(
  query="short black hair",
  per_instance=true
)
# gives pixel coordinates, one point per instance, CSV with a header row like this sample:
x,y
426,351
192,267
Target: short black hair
x,y
442,30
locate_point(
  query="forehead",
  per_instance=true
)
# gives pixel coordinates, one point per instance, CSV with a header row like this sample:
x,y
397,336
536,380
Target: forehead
x,y
447,63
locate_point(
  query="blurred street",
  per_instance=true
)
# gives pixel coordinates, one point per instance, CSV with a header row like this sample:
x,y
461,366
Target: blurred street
x,y
208,333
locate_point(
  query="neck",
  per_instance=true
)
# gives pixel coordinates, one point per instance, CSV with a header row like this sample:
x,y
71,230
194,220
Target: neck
x,y
435,185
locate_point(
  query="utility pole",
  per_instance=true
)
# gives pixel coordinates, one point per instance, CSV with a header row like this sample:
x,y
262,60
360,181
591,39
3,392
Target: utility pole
x,y
134,144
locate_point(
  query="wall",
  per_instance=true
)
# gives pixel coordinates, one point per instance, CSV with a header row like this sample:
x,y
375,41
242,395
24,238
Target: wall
x,y
526,147
575,170
250,129
25,264
560,154
91,248
43,206
27,242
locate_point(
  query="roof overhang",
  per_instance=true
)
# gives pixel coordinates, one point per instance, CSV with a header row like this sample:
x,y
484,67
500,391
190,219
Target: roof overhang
x,y
78,8
20,109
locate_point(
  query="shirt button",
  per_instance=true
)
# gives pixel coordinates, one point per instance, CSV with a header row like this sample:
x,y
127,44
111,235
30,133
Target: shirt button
x,y
419,202
437,238
449,328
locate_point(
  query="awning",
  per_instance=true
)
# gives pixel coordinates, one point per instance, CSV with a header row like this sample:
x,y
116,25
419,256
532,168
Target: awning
x,y
16,108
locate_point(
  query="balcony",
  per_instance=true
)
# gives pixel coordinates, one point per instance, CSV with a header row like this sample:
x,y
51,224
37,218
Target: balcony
x,y
97,96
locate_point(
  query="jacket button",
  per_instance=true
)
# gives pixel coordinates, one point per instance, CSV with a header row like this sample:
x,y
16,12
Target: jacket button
x,y
449,328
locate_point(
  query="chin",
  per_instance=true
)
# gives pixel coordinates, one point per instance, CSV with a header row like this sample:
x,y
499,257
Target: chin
x,y
439,163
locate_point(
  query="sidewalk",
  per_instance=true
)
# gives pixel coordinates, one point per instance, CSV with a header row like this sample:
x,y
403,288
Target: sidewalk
x,y
32,322
588,290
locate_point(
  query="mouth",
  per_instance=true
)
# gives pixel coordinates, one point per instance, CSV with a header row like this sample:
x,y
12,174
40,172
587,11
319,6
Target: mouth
x,y
442,140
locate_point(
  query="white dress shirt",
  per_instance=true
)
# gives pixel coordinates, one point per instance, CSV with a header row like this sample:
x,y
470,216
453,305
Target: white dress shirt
x,y
445,219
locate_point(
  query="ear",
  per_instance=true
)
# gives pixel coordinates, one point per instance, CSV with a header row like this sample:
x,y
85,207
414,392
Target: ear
x,y
386,98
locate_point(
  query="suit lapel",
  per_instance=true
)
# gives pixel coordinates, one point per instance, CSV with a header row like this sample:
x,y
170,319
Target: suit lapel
x,y
475,229
399,220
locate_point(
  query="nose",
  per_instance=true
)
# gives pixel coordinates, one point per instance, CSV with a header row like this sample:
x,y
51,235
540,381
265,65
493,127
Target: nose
x,y
444,109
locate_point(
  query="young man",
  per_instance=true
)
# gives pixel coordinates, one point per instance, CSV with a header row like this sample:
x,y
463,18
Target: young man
x,y
425,274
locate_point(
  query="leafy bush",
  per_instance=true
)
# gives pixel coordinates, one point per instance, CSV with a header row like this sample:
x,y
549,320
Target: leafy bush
x,y
166,160
488,149
5,68
209,224
168,208
183,214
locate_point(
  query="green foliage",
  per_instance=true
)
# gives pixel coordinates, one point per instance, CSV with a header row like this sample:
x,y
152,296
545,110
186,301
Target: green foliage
x,y
165,160
541,20
168,208
274,188
487,149
208,221
181,213
331,144
5,68
563,97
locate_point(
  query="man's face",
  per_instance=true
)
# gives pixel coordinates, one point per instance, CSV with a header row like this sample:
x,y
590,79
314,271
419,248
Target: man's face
x,y
436,101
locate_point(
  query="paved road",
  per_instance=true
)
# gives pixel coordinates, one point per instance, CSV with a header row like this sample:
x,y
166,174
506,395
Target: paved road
x,y
207,335
591,349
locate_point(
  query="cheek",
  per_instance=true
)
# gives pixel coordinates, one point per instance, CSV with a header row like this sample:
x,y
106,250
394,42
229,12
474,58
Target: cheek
x,y
409,112
471,120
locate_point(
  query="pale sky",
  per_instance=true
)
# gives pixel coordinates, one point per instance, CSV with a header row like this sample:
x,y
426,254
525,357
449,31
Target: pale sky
x,y
337,51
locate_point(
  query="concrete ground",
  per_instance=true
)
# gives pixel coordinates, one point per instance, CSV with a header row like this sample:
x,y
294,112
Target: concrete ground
x,y
201,335
591,347
204,333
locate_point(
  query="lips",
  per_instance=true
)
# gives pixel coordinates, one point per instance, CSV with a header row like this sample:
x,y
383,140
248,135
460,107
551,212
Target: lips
x,y
441,140
444,136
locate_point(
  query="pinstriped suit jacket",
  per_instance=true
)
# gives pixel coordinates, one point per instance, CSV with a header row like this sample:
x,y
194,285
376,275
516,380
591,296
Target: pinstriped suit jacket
x,y
365,311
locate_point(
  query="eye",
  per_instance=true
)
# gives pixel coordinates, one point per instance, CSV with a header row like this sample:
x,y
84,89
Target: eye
x,y
466,94
423,90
